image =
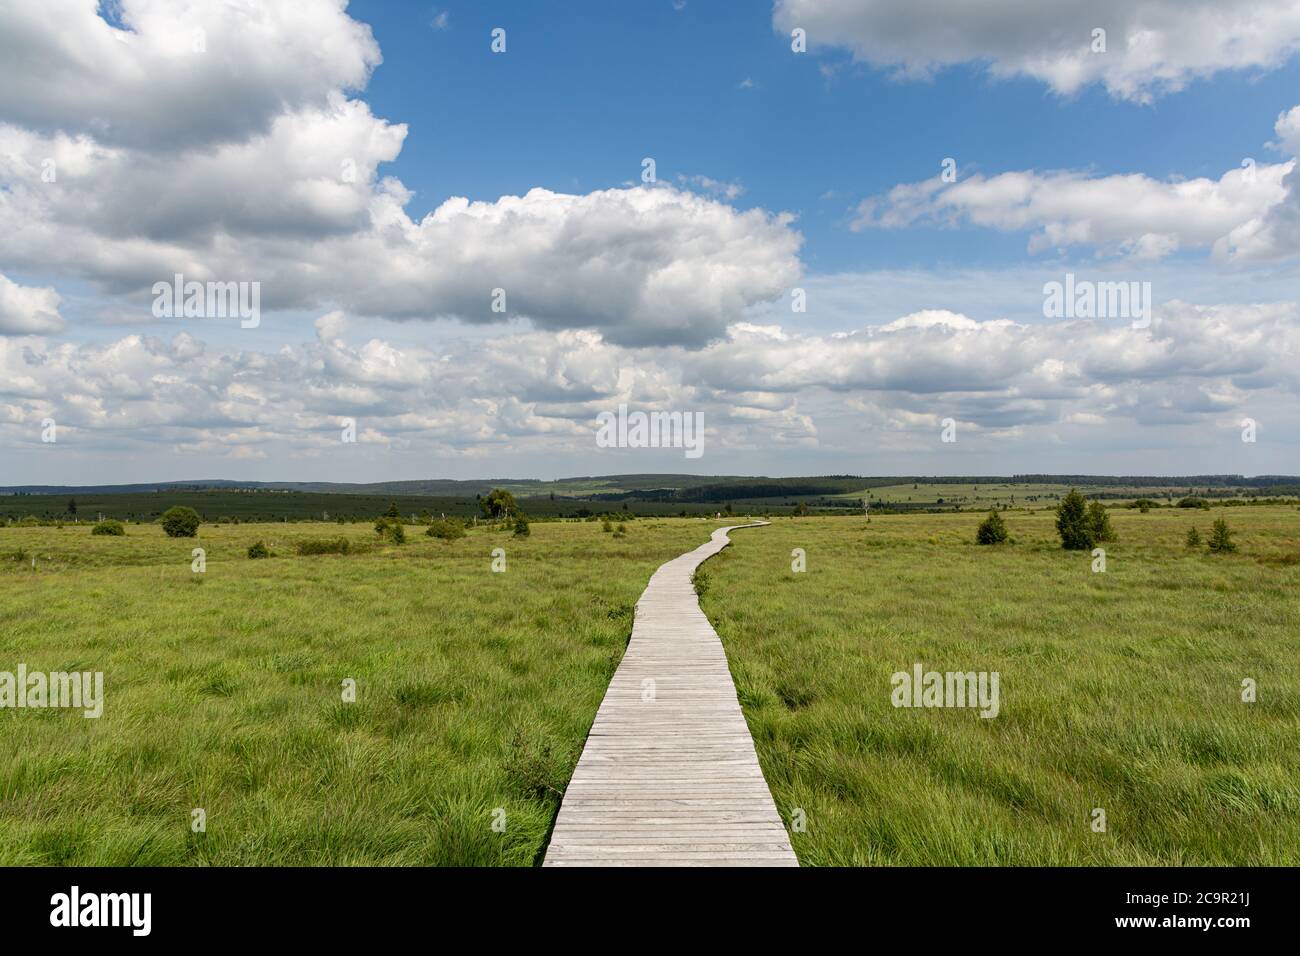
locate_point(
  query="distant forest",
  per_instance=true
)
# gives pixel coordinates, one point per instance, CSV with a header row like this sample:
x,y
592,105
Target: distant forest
x,y
645,495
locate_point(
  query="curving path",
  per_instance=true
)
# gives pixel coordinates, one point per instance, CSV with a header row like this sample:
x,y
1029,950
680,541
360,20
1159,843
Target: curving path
x,y
669,776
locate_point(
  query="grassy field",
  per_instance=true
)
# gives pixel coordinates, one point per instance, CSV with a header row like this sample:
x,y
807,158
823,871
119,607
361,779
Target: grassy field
x,y
475,691
968,495
1119,690
974,495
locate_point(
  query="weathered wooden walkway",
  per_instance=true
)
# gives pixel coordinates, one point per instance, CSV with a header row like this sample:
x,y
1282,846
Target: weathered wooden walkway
x,y
669,776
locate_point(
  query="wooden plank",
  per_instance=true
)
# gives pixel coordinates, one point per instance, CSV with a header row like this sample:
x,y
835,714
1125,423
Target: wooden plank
x,y
669,775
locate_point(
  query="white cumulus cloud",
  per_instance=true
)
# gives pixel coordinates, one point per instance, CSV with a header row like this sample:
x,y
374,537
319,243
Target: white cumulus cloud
x,y
1246,215
26,310
128,156
1152,47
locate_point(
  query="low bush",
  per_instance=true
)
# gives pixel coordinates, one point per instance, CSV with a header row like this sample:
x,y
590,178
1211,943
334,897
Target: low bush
x,y
324,546
1099,523
1221,538
992,530
260,550
1073,523
180,522
446,529
109,526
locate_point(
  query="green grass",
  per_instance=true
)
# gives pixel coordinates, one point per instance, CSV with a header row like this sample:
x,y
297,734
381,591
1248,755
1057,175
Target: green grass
x,y
969,495
475,690
986,494
1119,690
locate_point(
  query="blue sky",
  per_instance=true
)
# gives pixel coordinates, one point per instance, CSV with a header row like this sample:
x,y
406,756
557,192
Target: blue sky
x,y
376,172
580,100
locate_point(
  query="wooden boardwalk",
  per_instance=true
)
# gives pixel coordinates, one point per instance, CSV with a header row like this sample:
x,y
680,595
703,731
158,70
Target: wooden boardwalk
x,y
669,776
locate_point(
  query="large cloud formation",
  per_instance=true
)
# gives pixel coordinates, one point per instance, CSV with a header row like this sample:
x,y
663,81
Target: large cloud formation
x,y
221,141
175,74
121,148
1152,46
761,386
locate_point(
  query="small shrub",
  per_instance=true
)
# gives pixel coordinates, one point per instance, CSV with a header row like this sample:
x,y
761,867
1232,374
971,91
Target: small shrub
x,y
1194,503
992,530
1143,505
259,550
606,526
109,526
1193,537
324,546
622,528
1072,523
391,530
181,522
446,529
1221,538
521,527
1099,523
